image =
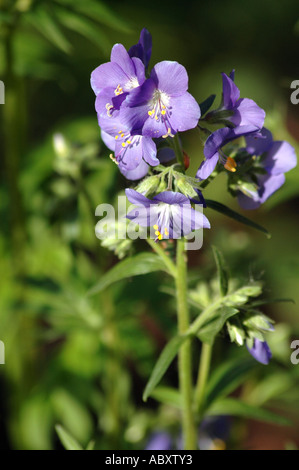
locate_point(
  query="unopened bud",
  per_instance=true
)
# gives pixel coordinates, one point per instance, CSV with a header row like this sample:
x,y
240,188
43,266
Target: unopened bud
x,y
186,188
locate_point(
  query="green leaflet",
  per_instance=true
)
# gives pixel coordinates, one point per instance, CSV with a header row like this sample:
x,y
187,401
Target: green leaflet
x,y
143,263
217,206
222,271
227,378
234,407
168,354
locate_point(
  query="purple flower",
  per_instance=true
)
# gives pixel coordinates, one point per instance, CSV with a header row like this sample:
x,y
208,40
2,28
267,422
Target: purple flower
x,y
162,106
133,153
170,214
112,82
242,116
235,111
143,50
213,152
260,351
275,158
159,441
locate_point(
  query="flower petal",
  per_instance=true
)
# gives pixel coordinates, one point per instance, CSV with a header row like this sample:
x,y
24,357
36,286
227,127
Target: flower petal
x,y
149,151
231,92
248,113
185,112
260,351
120,56
280,158
207,167
106,75
170,77
140,171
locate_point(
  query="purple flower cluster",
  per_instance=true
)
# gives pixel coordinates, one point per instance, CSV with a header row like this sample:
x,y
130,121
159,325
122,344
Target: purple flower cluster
x,y
134,110
241,117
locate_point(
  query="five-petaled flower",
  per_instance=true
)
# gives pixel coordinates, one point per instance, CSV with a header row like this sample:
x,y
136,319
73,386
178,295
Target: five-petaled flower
x,y
162,106
170,214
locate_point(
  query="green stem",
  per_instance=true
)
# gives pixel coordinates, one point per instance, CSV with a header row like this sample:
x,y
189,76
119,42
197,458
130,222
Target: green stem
x,y
178,151
167,261
203,373
185,375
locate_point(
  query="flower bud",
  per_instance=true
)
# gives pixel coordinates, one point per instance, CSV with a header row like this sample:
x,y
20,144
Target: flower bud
x,y
148,185
186,188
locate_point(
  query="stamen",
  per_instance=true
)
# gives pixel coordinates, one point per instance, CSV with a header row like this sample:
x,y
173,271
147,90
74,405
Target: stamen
x,y
113,158
155,227
230,164
109,107
169,134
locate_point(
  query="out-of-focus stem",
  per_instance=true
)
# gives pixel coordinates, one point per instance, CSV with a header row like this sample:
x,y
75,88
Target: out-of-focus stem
x,y
203,373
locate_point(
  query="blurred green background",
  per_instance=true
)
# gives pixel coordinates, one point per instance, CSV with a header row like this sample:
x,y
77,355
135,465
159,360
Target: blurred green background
x,y
83,361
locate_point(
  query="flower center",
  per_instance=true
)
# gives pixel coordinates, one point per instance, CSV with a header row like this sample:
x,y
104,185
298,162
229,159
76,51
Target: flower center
x,y
160,110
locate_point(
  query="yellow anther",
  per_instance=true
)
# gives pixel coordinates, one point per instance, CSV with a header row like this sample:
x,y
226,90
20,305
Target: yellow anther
x,y
113,159
123,144
120,132
163,107
116,137
129,142
122,135
160,237
169,134
155,227
230,164
163,112
166,231
150,113
156,117
157,233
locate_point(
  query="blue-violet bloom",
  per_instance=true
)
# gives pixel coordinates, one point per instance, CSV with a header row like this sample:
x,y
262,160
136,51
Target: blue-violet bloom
x,y
277,157
170,214
162,106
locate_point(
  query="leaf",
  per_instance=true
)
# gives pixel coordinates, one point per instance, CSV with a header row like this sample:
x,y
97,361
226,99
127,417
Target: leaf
x,y
143,263
228,377
99,12
68,441
222,271
47,26
234,407
86,28
168,396
167,356
217,206
208,331
206,104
